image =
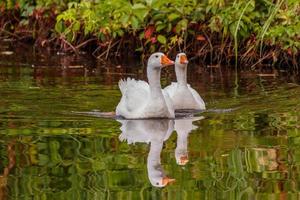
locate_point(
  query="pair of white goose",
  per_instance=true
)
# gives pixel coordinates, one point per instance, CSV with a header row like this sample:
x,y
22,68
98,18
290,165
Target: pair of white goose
x,y
141,100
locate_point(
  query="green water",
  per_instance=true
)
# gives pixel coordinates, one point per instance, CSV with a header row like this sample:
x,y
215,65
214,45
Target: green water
x,y
50,151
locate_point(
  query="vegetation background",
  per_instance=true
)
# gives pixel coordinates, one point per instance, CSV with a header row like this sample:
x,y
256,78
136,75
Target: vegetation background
x,y
218,31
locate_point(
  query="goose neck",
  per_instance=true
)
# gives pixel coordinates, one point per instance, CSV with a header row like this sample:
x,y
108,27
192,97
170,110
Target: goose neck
x,y
154,82
181,74
154,153
182,140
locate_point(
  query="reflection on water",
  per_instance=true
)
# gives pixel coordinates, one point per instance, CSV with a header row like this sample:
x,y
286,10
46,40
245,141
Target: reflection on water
x,y
183,127
156,132
47,151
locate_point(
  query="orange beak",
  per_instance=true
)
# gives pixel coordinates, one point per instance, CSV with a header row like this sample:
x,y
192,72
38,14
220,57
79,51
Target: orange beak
x,y
165,61
183,60
166,180
183,160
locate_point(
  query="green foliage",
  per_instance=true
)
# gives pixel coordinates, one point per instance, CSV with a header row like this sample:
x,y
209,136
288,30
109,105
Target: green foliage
x,y
30,5
172,23
275,24
285,29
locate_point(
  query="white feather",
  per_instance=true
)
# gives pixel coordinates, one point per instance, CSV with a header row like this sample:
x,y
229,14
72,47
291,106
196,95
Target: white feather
x,y
182,94
141,100
184,97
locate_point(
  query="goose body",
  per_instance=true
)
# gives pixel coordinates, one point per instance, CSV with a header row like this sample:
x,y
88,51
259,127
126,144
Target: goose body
x,y
183,96
142,100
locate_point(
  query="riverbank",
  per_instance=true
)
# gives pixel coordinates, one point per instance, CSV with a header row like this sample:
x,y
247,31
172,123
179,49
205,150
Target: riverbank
x,y
253,33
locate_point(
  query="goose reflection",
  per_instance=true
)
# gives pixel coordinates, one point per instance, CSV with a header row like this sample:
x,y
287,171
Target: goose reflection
x,y
156,132
183,128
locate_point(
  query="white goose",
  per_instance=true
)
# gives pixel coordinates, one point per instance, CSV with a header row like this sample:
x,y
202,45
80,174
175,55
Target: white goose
x,y
154,132
182,94
142,100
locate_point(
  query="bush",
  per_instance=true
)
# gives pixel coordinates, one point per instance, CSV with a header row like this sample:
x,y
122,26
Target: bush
x,y
252,28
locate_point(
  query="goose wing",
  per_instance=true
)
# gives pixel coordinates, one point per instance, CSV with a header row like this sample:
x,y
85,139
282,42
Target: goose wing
x,y
197,97
135,95
170,89
134,131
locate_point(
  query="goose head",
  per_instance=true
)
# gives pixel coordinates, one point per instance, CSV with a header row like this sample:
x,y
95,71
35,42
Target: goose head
x,y
182,157
160,182
159,60
181,60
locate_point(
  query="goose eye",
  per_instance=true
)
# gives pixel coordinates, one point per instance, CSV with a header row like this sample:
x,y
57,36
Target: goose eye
x,y
157,183
156,56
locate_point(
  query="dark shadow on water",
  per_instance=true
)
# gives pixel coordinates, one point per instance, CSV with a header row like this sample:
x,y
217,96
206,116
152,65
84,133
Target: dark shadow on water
x,y
182,114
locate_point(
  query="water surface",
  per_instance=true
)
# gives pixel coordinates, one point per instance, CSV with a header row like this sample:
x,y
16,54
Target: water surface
x,y
49,151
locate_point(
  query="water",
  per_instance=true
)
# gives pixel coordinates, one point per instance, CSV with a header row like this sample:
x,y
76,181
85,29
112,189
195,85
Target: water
x,y
246,146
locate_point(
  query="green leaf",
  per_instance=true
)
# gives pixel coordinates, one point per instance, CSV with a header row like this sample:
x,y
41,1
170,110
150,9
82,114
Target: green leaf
x,y
120,32
158,17
181,25
162,39
134,22
140,11
149,2
76,26
59,27
124,20
160,27
232,28
138,6
142,35
139,49
173,16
